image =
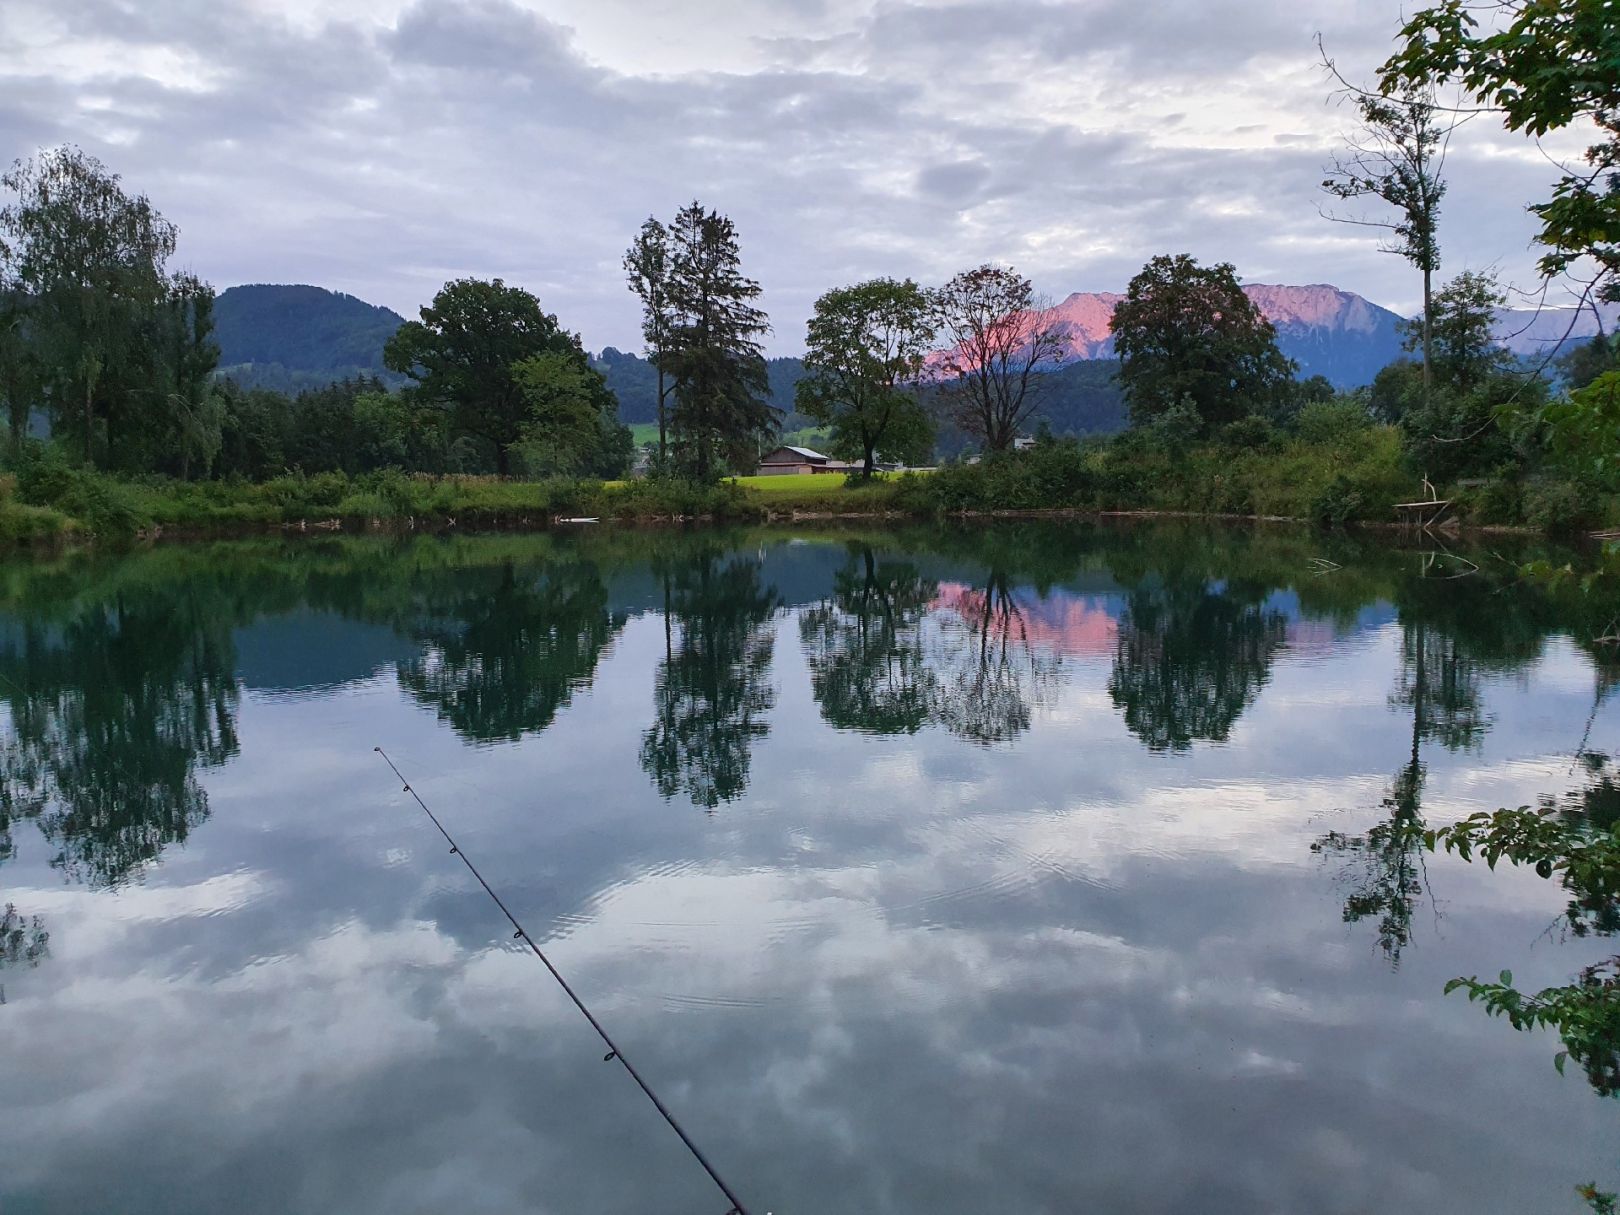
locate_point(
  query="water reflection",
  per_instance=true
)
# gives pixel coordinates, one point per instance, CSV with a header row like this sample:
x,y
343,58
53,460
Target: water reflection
x,y
865,645
1192,656
1030,874
712,690
504,648
114,703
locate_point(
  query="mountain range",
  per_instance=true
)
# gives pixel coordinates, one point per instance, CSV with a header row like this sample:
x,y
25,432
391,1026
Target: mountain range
x,y
293,337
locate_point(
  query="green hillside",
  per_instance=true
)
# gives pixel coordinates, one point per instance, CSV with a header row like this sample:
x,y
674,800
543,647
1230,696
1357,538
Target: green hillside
x,y
290,337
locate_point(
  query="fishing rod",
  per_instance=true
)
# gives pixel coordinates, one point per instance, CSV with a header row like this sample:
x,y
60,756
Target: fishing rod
x,y
614,1053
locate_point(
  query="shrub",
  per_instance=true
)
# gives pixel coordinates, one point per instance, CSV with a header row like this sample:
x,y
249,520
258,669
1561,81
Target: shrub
x,y
1332,421
1559,507
44,475
1337,503
106,508
1248,433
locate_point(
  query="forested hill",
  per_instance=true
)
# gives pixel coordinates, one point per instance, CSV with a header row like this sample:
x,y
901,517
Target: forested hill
x,y
295,337
1080,398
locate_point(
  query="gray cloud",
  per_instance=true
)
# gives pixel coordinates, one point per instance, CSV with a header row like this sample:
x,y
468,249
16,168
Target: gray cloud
x,y
381,148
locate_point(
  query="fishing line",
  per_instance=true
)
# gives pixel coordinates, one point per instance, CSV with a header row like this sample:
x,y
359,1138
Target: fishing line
x,y
614,1053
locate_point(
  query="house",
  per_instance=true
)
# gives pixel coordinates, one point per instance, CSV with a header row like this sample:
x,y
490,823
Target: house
x,y
796,460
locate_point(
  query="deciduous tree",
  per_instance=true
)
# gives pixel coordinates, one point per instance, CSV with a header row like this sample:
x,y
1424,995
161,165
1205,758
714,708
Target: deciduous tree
x,y
1187,333
864,354
91,258
1544,65
1397,155
1000,338
463,353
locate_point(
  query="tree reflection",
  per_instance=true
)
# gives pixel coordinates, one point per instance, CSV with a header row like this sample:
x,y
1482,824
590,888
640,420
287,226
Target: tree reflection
x,y
1191,657
712,689
112,711
1439,684
23,939
508,647
864,646
991,676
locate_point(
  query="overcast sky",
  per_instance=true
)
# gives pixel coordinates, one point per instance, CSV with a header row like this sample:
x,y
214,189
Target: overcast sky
x,y
380,147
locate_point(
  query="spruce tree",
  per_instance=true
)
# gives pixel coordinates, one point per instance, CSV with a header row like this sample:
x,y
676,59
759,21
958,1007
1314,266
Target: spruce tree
x,y
722,411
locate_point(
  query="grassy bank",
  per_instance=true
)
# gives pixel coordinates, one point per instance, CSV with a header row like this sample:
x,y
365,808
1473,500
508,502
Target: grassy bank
x,y
1351,478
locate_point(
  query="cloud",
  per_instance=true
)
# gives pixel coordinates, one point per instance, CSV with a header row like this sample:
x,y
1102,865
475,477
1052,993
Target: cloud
x,y
382,146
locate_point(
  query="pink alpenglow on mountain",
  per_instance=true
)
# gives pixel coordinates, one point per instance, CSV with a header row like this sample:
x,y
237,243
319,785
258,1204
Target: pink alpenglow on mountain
x,y
1086,317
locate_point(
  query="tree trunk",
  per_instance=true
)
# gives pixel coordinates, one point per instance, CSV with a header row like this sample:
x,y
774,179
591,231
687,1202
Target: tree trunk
x,y
1428,321
503,462
663,424
870,461
89,427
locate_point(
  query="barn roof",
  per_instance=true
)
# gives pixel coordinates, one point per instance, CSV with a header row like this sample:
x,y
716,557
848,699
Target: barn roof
x,y
802,451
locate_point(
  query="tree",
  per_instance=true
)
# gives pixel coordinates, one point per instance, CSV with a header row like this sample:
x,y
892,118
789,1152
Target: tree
x,y
1582,364
196,411
1543,65
1397,157
1456,428
570,414
1188,333
864,353
1465,350
1000,336
647,266
20,370
463,353
722,410
91,258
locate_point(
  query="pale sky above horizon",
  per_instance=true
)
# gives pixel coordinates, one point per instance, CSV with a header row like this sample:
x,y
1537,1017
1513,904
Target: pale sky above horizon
x,y
380,147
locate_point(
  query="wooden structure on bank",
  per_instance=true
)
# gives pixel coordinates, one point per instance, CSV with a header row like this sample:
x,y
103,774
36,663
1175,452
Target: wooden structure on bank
x,y
1429,513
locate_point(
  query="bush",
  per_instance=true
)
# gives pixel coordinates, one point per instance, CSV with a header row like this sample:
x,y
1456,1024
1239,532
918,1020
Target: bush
x,y
1337,503
1559,507
44,475
1047,476
1249,433
1332,421
106,508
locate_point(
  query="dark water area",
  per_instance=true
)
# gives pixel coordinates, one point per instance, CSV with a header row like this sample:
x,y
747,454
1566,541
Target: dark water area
x,y
1026,868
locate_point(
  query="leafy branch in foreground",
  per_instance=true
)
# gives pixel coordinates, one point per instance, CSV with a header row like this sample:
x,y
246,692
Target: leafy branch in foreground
x,y
1585,1013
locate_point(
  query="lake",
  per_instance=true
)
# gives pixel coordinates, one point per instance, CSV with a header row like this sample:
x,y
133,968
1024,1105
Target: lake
x,y
1022,868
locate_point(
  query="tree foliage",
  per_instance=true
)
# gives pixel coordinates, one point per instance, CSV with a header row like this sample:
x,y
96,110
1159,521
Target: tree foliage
x,y
722,407
864,353
473,356
1544,64
1397,156
1187,335
94,323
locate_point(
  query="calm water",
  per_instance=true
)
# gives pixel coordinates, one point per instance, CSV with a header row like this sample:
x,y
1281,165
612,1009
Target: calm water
x,y
1018,870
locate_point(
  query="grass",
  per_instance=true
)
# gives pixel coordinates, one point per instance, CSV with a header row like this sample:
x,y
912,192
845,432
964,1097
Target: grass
x,y
1353,477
